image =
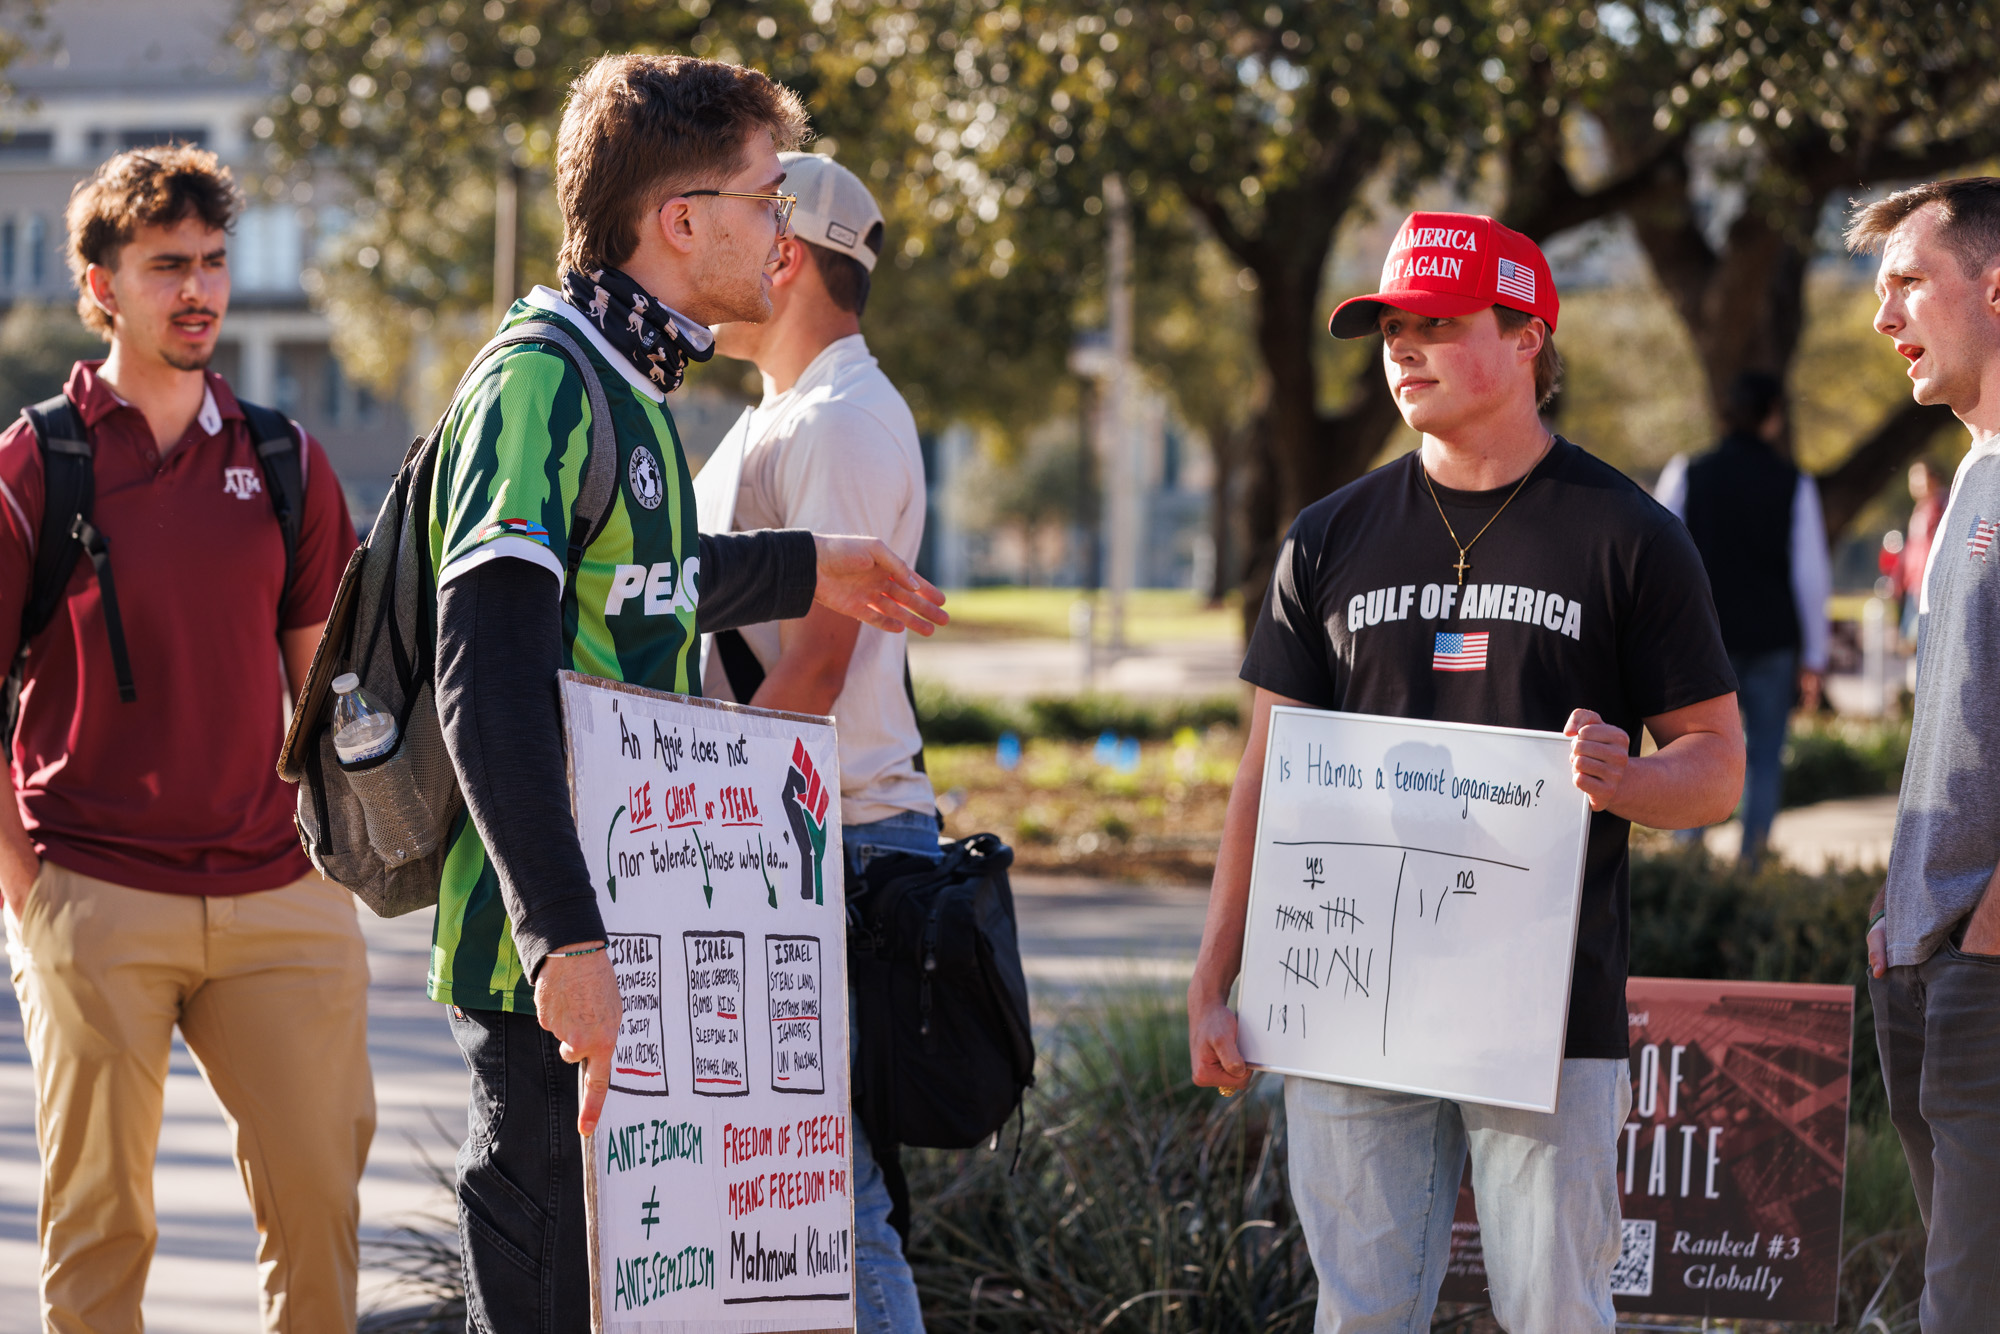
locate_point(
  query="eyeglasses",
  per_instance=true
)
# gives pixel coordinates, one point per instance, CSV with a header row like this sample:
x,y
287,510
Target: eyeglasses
x,y
785,203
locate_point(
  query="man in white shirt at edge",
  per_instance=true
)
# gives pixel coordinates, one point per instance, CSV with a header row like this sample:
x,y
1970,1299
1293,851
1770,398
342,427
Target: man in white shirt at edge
x,y
832,447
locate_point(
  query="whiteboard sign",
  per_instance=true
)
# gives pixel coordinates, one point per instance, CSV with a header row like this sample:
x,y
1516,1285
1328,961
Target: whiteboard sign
x,y
719,1186
1413,906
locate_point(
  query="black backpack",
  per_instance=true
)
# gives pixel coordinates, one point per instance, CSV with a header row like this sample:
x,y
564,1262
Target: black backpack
x,y
67,532
946,1048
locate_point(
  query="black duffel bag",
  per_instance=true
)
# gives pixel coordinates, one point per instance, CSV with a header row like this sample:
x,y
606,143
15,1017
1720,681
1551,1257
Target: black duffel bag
x,y
945,1050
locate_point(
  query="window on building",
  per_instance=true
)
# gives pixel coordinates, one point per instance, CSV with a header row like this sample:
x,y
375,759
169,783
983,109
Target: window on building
x,y
332,391
35,258
102,140
267,252
27,145
9,232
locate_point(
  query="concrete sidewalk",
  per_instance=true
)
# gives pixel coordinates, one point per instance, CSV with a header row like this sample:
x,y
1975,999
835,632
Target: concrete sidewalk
x,y
1075,933
1022,668
1852,832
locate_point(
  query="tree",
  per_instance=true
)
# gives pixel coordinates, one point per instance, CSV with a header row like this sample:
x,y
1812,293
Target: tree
x,y
38,345
1266,122
431,113
1733,134
22,23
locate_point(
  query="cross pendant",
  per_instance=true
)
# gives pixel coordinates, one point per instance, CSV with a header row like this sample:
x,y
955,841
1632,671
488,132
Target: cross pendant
x,y
1461,567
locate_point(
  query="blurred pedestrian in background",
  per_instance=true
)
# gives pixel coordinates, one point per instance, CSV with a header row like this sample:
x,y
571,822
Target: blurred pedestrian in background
x,y
1755,518
1928,487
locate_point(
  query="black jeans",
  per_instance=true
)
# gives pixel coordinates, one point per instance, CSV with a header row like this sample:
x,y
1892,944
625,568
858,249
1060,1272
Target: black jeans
x,y
1937,1026
520,1181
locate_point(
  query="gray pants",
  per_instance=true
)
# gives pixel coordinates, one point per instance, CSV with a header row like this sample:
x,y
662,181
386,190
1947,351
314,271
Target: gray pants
x,y
1375,1178
1937,1026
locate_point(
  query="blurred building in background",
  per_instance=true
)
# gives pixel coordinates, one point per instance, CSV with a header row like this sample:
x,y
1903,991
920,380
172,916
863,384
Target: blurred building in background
x,y
131,73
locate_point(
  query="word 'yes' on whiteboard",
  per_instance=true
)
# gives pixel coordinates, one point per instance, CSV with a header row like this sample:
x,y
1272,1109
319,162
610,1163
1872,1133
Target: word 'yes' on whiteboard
x,y
1413,906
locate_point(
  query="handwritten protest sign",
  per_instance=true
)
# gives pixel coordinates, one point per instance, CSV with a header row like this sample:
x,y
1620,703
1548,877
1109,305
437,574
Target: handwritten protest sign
x,y
1733,1162
719,1188
1413,905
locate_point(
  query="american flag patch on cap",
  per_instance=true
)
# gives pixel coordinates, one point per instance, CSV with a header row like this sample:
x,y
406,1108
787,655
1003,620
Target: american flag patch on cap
x,y
1515,280
1460,653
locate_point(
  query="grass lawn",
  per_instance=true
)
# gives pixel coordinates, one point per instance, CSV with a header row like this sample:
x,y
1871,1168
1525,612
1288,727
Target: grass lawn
x,y
1152,615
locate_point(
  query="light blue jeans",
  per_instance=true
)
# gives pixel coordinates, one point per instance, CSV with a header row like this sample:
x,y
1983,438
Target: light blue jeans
x,y
1375,1180
885,1293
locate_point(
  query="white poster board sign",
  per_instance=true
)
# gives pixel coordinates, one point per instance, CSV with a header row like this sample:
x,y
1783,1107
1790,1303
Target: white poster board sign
x,y
1413,906
719,1190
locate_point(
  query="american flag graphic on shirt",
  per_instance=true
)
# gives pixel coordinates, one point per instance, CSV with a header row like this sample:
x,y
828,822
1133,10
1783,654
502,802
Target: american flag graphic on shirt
x,y
1981,537
1460,653
1516,280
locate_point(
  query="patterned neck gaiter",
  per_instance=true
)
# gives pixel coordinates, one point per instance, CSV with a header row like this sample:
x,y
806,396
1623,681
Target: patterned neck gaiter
x,y
655,338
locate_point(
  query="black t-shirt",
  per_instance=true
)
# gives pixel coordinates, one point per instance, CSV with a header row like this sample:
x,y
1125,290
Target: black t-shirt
x,y
1589,594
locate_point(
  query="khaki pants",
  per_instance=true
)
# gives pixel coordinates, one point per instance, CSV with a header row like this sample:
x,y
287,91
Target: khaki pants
x,y
270,991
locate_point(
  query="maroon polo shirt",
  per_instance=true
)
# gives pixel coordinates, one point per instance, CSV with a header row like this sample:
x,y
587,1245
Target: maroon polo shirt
x,y
176,791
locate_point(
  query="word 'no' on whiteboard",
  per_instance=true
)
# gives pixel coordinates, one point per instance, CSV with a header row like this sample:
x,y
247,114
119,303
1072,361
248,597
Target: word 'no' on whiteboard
x,y
719,1194
1413,906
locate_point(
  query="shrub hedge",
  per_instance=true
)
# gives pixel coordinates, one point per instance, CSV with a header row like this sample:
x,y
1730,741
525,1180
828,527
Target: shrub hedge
x,y
949,719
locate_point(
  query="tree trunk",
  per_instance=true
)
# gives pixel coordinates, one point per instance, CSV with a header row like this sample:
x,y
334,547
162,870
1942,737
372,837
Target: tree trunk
x,y
1226,447
1902,436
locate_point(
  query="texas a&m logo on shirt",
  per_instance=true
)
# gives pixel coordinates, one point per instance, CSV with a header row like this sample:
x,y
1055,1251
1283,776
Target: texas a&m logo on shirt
x,y
242,483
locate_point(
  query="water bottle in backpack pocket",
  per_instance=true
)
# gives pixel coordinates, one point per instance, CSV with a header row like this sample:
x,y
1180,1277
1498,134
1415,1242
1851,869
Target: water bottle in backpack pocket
x,y
401,825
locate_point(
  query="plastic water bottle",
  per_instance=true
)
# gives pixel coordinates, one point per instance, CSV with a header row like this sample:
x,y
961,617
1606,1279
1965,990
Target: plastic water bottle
x,y
362,729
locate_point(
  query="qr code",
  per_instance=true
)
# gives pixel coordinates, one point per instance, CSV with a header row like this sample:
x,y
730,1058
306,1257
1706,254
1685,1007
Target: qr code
x,y
1632,1276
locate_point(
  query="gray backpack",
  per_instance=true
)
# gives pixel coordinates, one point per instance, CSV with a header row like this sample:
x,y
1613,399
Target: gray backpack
x,y
380,827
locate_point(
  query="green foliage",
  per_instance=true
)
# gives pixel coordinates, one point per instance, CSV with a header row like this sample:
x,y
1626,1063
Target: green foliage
x,y
38,344
951,719
1080,717
1696,916
1140,1201
23,25
1843,757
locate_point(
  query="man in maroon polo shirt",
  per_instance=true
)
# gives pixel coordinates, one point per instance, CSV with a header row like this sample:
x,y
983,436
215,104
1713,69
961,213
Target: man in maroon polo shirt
x,y
148,860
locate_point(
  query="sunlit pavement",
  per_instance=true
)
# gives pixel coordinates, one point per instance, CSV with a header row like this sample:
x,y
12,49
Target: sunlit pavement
x,y
1075,933
1021,668
1854,832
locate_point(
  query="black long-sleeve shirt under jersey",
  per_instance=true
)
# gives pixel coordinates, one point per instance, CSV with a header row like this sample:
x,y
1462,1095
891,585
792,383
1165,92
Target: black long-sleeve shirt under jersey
x,y
499,649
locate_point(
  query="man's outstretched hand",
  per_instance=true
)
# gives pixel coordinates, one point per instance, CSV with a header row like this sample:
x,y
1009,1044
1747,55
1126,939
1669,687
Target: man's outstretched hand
x,y
577,1000
862,578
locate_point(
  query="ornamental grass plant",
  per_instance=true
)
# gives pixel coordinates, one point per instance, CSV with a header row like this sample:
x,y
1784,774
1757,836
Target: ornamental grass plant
x,y
1139,1203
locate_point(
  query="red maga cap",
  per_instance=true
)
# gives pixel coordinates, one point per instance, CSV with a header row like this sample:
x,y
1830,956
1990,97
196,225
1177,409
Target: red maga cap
x,y
1447,264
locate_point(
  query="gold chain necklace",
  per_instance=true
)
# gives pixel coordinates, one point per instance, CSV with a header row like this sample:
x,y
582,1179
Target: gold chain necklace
x,y
1465,547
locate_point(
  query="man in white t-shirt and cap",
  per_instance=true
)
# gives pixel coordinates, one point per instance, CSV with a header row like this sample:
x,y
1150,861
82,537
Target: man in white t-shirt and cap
x,y
832,447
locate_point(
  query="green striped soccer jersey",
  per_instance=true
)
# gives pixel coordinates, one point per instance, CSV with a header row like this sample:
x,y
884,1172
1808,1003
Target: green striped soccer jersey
x,y
509,466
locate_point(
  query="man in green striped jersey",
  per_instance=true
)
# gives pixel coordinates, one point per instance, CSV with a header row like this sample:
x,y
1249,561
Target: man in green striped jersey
x,y
668,177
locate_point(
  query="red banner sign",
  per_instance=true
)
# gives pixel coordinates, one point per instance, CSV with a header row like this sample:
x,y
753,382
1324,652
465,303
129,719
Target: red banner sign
x,y
1733,1163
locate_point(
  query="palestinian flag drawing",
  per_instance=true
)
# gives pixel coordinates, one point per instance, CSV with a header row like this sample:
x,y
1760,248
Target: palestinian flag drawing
x,y
805,801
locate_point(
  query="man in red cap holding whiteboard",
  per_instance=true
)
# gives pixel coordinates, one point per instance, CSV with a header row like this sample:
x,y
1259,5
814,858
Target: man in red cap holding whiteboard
x,y
1499,575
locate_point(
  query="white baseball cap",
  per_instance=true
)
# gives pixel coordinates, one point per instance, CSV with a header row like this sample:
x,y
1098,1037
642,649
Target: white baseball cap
x,y
835,209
